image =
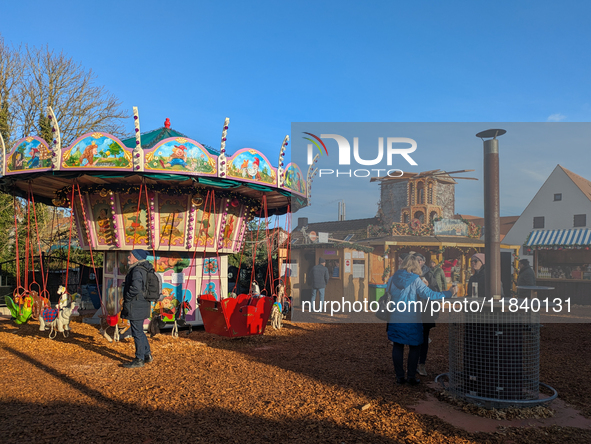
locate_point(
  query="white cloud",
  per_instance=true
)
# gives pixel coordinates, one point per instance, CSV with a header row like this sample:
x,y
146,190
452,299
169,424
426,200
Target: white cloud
x,y
556,117
538,176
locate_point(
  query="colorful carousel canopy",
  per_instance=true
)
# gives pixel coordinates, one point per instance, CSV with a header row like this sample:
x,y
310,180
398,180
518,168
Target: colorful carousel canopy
x,y
160,189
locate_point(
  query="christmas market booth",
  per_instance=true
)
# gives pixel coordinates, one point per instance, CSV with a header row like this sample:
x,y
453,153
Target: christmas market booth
x,y
449,242
348,268
562,259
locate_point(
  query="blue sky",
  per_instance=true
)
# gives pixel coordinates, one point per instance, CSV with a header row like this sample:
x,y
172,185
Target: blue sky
x,y
267,64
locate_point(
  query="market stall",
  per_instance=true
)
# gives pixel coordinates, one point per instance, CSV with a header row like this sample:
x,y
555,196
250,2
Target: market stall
x,y
562,259
451,253
347,267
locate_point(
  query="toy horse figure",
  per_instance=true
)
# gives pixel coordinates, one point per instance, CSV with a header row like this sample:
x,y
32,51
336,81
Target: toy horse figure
x,y
40,303
121,326
59,321
112,318
21,308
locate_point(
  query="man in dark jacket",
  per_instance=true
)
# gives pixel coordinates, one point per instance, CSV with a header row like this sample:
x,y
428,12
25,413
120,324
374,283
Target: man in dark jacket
x,y
526,278
319,280
135,308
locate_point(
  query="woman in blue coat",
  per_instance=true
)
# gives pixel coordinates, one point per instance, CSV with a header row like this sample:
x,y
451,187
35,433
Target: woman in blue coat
x,y
405,326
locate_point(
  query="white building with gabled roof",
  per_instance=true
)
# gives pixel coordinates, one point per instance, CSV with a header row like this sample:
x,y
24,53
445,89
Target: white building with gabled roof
x,y
562,203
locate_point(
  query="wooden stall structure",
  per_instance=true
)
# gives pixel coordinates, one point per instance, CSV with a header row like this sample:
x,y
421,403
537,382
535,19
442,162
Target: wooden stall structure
x,y
348,267
451,253
562,259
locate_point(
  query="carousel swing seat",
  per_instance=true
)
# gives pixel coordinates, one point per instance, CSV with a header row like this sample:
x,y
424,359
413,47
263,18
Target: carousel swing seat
x,y
243,315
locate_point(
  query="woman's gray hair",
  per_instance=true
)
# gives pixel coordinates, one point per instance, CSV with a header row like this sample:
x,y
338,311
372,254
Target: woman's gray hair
x,y
411,264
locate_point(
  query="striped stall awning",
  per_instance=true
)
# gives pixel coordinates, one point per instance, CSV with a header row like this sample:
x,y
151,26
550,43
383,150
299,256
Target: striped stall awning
x,y
559,237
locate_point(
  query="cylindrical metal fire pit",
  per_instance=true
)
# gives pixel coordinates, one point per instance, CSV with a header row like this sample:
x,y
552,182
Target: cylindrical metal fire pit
x,y
494,356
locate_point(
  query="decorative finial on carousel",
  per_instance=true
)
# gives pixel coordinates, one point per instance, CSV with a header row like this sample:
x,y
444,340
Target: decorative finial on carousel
x,y
138,152
280,176
222,156
56,142
167,123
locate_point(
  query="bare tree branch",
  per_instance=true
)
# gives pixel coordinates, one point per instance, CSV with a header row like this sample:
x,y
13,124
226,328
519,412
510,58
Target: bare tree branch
x,y
11,73
33,78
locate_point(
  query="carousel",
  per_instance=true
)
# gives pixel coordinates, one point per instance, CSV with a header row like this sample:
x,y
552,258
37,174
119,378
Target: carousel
x,y
185,203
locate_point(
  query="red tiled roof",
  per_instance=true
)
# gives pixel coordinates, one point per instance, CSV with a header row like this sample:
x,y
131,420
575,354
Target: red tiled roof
x,y
583,184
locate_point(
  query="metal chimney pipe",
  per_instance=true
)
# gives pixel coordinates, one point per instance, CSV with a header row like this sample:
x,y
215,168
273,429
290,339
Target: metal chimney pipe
x,y
492,221
341,210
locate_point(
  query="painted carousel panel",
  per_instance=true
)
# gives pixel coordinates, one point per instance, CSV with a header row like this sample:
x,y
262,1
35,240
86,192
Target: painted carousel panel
x,y
211,267
179,283
178,301
294,179
211,286
232,229
136,225
97,151
172,214
250,165
104,221
181,155
83,225
29,154
207,216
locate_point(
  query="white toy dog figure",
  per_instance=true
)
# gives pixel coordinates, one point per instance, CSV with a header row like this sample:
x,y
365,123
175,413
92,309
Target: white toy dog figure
x,y
60,321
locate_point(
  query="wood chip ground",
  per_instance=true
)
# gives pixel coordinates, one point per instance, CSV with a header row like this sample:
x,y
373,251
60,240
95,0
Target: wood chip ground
x,y
306,383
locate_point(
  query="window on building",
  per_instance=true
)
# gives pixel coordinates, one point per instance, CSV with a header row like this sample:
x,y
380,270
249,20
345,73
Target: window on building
x,y
539,222
289,268
420,193
580,220
557,196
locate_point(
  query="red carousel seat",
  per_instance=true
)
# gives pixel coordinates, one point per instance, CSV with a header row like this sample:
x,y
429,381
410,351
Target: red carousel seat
x,y
235,317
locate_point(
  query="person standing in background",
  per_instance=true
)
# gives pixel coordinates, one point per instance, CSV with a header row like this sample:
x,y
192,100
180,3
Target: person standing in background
x,y
428,319
526,278
438,275
319,278
477,262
